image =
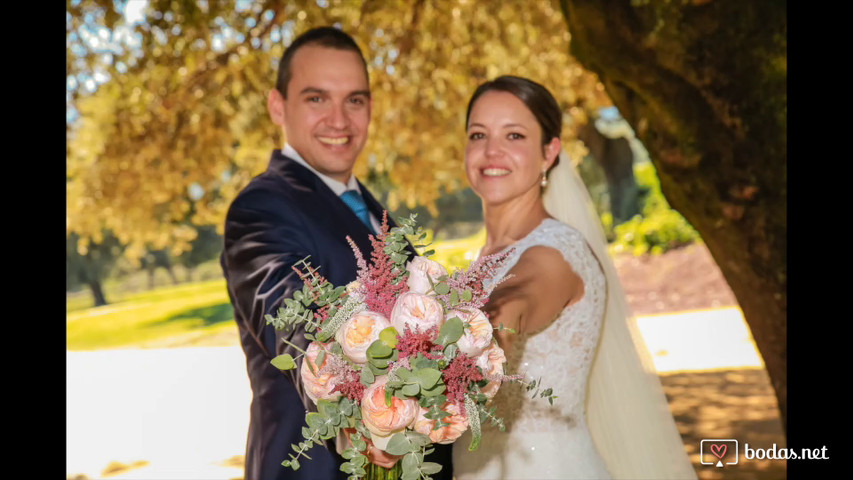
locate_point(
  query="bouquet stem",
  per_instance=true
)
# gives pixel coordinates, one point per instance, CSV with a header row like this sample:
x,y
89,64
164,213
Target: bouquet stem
x,y
375,472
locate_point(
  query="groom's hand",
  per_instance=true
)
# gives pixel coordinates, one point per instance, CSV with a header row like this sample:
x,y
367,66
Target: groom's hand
x,y
374,455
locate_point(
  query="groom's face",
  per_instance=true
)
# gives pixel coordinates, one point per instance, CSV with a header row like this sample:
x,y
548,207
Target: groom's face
x,y
327,110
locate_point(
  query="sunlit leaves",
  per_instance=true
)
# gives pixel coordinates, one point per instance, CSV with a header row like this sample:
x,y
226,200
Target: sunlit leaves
x,y
190,107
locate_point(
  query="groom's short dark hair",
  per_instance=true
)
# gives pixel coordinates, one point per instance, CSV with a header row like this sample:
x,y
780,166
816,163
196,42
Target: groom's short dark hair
x,y
329,37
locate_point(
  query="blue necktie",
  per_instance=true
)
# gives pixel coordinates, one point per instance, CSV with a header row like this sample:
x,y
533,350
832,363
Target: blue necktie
x,y
356,204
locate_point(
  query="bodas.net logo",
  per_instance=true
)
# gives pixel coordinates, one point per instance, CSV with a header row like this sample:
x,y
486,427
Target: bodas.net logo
x,y
718,451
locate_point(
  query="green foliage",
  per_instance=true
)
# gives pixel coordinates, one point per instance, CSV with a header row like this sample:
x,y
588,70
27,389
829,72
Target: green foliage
x,y
450,332
179,124
286,362
658,229
316,290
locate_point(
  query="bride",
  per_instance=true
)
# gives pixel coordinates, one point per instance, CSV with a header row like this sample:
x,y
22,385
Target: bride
x,y
611,418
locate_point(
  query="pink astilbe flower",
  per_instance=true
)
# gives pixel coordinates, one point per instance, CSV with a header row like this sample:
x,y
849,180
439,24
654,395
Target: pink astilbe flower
x,y
376,279
350,384
458,376
474,279
410,344
351,387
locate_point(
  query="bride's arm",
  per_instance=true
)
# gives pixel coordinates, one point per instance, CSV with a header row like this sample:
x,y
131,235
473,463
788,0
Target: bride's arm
x,y
542,284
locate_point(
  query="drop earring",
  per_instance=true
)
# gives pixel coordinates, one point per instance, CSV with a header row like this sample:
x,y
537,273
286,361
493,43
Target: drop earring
x,y
544,181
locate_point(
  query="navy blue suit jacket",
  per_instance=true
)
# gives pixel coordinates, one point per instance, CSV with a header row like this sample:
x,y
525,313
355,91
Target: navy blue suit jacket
x,y
284,215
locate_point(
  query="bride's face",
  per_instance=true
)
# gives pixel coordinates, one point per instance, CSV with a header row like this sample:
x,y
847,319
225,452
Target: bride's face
x,y
504,157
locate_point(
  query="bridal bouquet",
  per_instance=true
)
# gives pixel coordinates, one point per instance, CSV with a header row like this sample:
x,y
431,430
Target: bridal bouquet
x,y
403,356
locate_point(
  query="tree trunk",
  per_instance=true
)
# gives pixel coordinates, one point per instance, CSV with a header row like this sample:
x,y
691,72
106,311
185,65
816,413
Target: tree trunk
x,y
704,85
97,292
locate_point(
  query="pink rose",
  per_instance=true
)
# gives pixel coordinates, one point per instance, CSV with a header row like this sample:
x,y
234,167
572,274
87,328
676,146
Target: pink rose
x,y
492,361
418,312
421,269
357,333
477,336
382,420
318,385
458,424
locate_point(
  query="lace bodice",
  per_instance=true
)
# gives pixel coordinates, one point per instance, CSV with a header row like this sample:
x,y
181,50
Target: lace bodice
x,y
550,441
562,353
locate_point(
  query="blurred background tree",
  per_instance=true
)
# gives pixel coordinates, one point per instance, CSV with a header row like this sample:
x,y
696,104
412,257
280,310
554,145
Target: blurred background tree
x,y
169,112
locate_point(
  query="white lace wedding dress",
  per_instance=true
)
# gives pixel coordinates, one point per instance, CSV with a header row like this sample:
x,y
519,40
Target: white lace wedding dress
x,y
542,441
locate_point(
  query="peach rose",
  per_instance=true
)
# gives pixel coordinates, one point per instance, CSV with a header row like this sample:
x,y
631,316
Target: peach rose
x,y
477,336
418,312
492,361
458,424
318,385
421,269
357,333
382,420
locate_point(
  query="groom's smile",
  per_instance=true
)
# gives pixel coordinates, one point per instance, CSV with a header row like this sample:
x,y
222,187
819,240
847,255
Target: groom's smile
x,y
334,141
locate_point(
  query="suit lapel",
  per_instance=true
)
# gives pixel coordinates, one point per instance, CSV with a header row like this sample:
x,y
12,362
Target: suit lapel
x,y
318,199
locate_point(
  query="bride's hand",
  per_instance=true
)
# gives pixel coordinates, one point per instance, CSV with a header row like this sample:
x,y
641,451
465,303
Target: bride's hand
x,y
374,455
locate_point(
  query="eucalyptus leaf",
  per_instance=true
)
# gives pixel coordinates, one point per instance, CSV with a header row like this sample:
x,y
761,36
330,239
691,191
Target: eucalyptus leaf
x,y
406,442
346,406
388,336
283,362
441,288
428,377
405,375
411,389
450,332
430,468
379,349
435,391
359,445
375,369
314,420
367,376
410,462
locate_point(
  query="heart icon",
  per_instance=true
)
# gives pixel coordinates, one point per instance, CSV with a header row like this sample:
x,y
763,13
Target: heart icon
x,y
719,451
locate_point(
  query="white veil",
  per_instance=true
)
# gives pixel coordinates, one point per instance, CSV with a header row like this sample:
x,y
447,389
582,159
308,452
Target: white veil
x,y
627,411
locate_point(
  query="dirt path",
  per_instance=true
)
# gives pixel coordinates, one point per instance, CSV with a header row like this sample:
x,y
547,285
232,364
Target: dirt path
x,y
726,403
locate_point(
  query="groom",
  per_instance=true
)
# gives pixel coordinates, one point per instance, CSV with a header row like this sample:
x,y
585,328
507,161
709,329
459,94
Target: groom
x,y
305,204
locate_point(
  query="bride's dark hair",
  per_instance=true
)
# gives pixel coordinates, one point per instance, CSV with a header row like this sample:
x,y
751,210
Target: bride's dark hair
x,y
537,98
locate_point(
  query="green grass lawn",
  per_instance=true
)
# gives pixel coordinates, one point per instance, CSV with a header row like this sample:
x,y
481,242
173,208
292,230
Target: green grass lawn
x,y
189,309
187,314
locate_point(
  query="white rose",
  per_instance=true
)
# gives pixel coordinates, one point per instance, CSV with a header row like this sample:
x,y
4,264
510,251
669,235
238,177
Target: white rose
x,y
418,312
477,335
357,333
421,269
